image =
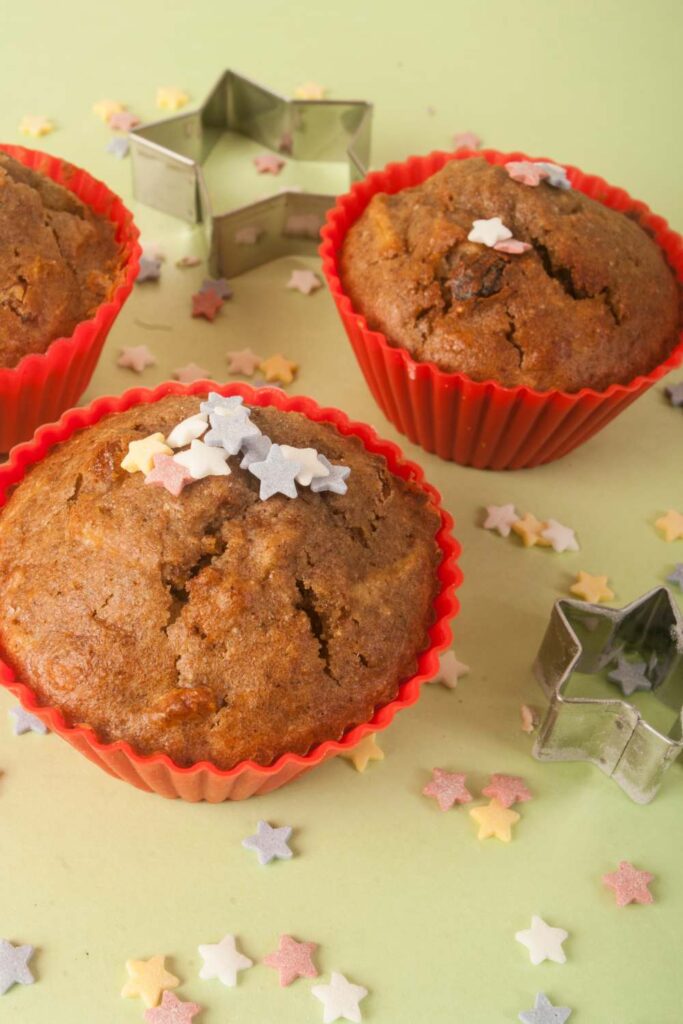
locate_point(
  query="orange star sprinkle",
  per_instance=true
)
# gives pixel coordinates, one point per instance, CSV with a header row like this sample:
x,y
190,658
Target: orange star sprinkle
x,y
148,979
591,588
278,368
494,820
671,525
530,530
364,752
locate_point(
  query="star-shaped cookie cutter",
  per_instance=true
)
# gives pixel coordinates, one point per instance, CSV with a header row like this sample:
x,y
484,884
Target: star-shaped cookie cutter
x,y
612,733
167,158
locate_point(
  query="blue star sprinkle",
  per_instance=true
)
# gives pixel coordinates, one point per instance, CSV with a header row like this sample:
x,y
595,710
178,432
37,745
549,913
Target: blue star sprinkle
x,y
118,147
545,1013
217,285
269,843
255,449
630,676
150,270
335,482
216,401
230,431
26,722
276,474
14,969
677,575
675,393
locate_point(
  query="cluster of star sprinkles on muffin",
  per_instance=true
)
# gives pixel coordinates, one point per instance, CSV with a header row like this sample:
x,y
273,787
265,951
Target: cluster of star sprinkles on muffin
x,y
547,533
227,429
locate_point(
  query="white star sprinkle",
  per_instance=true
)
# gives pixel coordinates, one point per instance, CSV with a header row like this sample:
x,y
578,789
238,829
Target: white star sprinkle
x,y
309,461
335,481
489,232
269,843
187,430
561,537
223,960
340,999
450,670
501,518
543,942
202,461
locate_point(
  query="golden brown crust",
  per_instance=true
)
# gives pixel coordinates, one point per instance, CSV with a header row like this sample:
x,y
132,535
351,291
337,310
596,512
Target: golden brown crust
x,y
58,261
593,303
213,625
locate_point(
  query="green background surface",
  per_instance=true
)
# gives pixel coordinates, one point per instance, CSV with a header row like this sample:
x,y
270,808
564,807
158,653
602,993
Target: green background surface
x,y
401,898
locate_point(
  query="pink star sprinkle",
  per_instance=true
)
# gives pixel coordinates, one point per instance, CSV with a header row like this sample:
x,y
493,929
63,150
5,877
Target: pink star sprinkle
x,y
466,140
447,788
293,960
507,790
123,121
268,163
190,373
206,304
169,474
172,1011
512,246
136,358
629,884
526,172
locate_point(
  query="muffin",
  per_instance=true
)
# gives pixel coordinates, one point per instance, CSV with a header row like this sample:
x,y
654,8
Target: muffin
x,y
218,623
589,302
58,261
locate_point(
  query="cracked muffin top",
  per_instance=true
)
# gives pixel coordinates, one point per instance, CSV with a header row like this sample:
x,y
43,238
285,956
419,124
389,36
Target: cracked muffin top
x,y
591,303
214,625
58,261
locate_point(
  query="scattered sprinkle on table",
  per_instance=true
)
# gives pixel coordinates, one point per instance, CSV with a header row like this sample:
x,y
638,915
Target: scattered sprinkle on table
x,y
148,979
501,518
450,670
118,147
507,790
150,270
304,281
25,722
530,530
340,999
169,474
544,1012
106,109
670,525
447,788
36,126
136,358
123,121
494,820
591,588
278,368
543,942
202,460
170,98
223,960
206,304
677,575
269,843
630,676
219,285
140,455
172,1011
466,140
529,717
268,163
292,960
243,361
189,373
367,750
310,91
675,394
562,538
14,969
629,884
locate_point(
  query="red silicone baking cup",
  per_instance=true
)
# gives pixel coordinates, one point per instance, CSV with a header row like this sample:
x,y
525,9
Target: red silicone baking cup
x,y
203,781
481,424
42,385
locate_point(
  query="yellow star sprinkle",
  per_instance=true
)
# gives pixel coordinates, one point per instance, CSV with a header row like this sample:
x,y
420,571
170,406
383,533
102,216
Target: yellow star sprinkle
x,y
494,820
278,368
591,588
169,98
36,126
140,457
529,529
671,525
310,91
105,108
367,750
148,979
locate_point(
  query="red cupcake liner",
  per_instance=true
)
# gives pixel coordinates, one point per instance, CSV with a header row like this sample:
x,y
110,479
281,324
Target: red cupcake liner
x,y
203,781
481,424
42,385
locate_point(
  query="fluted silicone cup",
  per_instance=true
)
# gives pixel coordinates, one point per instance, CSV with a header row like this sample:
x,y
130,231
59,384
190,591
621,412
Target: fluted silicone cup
x,y
204,781
43,384
481,424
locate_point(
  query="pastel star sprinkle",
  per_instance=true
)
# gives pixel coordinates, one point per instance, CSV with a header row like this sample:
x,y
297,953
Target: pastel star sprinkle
x,y
447,788
136,358
677,575
191,372
36,126
591,588
269,843
278,368
248,235
494,820
675,394
123,121
310,91
25,722
335,481
543,942
529,717
310,463
450,670
206,304
202,460
562,538
148,979
243,361
150,270
526,172
466,140
501,518
507,790
170,98
172,1011
169,474
255,449
629,884
268,163
489,232
140,455
531,531
512,246
118,147
340,999
229,432
223,961
276,473
304,281
187,430
218,285
105,109
292,960
556,175
544,1012
630,676
14,969
216,401
364,752
671,525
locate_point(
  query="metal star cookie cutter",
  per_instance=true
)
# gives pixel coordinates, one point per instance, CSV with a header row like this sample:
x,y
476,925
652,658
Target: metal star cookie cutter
x,y
612,734
167,158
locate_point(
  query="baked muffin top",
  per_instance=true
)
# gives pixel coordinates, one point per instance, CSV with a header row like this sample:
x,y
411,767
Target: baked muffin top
x,y
58,261
592,301
214,625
